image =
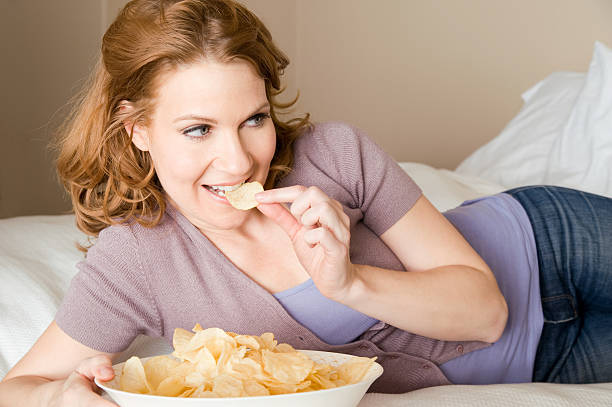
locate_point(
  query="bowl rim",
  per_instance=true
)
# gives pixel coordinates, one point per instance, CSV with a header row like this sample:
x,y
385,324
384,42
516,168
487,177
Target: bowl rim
x,y
375,371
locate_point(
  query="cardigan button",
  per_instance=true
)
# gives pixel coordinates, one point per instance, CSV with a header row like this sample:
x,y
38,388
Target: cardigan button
x,y
460,348
426,366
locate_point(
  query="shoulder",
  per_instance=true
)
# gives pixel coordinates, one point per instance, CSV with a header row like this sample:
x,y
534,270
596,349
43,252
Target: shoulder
x,y
338,142
122,254
325,149
334,147
128,237
333,128
330,137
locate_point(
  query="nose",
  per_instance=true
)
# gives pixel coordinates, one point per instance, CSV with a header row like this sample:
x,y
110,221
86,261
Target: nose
x,y
233,155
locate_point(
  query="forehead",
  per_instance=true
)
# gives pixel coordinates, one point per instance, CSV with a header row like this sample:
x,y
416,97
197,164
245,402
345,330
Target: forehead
x,y
209,87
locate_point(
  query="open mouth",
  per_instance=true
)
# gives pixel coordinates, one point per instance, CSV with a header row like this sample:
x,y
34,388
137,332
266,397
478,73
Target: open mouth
x,y
221,189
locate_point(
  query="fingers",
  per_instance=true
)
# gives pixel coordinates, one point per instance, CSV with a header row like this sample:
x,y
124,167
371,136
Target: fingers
x,y
283,217
80,389
326,215
278,195
309,198
327,240
79,392
96,367
310,205
314,208
301,199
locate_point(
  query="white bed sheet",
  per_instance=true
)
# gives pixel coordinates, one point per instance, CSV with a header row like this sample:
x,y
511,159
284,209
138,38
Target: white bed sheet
x,y
38,256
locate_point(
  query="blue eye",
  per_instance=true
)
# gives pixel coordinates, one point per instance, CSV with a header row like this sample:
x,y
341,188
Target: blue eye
x,y
197,132
201,131
258,119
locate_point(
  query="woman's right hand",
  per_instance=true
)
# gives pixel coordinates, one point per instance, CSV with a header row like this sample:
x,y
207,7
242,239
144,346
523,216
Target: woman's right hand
x,y
41,378
79,388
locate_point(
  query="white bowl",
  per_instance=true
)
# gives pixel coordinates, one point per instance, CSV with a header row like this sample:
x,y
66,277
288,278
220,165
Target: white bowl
x,y
344,396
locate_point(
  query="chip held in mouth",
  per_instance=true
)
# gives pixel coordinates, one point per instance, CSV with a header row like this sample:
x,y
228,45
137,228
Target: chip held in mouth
x,y
244,197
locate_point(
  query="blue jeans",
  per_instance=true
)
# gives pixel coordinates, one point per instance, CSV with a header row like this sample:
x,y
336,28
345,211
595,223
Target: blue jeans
x,y
573,234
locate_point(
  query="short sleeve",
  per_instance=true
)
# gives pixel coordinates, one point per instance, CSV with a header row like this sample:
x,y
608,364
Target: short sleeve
x,y
378,186
109,301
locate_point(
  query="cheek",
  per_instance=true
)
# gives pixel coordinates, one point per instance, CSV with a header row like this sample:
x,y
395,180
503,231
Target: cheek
x,y
172,170
268,146
261,148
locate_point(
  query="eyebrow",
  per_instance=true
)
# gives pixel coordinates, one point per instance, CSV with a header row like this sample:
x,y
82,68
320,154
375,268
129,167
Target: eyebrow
x,y
207,119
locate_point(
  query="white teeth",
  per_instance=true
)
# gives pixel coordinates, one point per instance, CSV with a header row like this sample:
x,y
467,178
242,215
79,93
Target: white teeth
x,y
226,188
221,189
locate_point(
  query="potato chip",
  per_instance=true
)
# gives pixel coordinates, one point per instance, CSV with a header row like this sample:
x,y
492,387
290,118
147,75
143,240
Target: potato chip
x,y
250,368
205,362
133,378
213,363
185,368
284,347
158,368
354,370
190,347
321,377
203,392
276,387
267,341
180,340
228,386
244,197
290,368
196,379
247,341
187,393
228,358
252,388
171,386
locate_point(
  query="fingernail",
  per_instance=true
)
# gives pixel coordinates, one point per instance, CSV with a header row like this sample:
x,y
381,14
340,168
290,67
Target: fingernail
x,y
260,197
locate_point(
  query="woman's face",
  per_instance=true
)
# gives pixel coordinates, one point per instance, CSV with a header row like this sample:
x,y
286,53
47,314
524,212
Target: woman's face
x,y
210,130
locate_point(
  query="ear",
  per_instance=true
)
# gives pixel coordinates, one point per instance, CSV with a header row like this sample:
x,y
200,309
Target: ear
x,y
140,136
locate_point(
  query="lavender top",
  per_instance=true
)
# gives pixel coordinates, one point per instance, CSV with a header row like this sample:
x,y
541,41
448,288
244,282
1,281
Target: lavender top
x,y
499,230
332,321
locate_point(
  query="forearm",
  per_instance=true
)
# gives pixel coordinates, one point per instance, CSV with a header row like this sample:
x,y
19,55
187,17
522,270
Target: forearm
x,y
447,303
28,391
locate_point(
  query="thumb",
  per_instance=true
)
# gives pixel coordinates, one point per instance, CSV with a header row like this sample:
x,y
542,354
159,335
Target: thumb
x,y
283,217
99,366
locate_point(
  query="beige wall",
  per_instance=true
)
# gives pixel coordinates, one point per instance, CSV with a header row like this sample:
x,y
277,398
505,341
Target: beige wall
x,y
433,80
429,80
47,48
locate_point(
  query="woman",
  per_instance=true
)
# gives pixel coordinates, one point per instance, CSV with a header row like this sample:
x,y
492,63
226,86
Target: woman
x,y
182,108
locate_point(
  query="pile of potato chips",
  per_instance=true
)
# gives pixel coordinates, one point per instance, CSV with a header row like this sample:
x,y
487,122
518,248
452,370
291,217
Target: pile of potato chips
x,y
214,363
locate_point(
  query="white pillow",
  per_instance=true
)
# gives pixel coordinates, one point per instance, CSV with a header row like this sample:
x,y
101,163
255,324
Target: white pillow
x,y
38,255
581,156
561,136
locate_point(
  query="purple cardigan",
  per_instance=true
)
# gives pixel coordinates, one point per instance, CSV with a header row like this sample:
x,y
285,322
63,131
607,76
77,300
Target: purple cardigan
x,y
139,280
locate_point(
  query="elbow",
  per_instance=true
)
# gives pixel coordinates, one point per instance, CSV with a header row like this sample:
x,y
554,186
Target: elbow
x,y
498,321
